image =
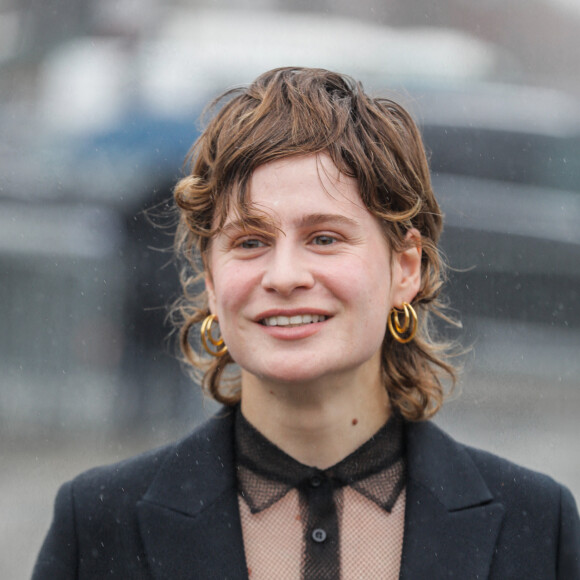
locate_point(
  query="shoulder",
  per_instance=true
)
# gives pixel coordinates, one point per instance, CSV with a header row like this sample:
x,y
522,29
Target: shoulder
x,y
528,493
96,524
127,481
536,507
508,479
436,455
536,521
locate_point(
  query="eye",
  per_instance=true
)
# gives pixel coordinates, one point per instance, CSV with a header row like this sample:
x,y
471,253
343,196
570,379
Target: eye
x,y
250,243
323,240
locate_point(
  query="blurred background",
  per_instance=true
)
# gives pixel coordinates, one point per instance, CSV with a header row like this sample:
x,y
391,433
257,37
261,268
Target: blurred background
x,y
99,103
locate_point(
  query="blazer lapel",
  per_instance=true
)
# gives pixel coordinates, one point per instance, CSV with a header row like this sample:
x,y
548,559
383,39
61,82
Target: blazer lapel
x,y
451,520
189,518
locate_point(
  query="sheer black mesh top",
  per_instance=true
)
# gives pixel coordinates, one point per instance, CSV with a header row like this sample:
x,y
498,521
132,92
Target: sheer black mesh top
x,y
307,523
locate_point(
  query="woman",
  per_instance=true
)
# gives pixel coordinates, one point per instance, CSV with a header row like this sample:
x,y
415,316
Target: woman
x,y
310,206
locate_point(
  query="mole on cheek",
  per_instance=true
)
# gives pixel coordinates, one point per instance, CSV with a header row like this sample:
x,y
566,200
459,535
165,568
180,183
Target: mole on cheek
x,y
354,421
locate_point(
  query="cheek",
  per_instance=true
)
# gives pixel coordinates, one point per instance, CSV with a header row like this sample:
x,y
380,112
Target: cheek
x,y
368,283
376,304
233,286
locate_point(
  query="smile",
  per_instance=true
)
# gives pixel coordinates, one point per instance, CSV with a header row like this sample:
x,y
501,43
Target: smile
x,y
291,321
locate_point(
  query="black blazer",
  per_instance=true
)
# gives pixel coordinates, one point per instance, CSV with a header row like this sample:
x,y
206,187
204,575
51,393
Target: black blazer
x,y
173,513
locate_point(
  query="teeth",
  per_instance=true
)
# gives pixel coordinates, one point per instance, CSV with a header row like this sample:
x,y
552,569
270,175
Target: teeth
x,y
297,320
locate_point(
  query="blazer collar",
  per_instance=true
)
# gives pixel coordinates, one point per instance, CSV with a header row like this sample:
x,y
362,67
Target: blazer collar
x,y
451,519
189,518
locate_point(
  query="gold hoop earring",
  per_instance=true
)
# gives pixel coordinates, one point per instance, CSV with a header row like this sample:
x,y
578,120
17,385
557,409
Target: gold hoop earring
x,y
405,332
206,336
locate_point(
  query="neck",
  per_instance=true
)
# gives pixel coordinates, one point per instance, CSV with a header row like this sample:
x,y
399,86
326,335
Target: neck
x,y
319,423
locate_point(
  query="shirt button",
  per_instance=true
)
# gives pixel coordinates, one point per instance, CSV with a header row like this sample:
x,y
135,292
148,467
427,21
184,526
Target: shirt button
x,y
319,535
315,481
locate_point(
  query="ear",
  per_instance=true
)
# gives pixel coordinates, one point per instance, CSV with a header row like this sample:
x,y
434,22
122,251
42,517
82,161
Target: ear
x,y
407,270
210,293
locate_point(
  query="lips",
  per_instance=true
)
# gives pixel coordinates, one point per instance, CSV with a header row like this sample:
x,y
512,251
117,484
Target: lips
x,y
292,321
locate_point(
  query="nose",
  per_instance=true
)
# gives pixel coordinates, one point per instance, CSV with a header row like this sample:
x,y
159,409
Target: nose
x,y
287,270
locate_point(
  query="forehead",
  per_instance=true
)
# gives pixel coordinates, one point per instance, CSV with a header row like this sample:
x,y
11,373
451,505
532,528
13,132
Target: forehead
x,y
302,184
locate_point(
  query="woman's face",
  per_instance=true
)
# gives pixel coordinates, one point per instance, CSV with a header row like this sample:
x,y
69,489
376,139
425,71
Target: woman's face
x,y
309,297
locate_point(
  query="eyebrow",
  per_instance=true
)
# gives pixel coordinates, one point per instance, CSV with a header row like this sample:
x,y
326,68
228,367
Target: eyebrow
x,y
310,220
323,218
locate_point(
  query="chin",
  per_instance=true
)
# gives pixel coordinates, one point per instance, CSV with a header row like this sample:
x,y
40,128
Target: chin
x,y
287,372
290,377
299,374
307,367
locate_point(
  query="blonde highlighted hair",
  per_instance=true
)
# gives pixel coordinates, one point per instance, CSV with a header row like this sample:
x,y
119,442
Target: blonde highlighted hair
x,y
300,111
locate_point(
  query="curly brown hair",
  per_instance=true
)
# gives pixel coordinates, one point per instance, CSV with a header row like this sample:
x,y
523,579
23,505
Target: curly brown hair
x,y
300,111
